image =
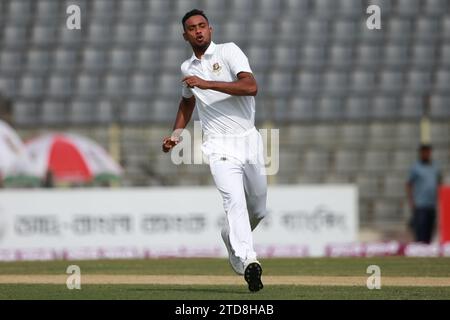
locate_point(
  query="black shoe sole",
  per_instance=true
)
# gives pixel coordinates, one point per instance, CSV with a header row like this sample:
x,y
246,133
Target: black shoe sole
x,y
252,275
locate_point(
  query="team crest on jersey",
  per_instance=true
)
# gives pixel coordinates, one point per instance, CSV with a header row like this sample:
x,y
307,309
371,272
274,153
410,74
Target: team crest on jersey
x,y
216,67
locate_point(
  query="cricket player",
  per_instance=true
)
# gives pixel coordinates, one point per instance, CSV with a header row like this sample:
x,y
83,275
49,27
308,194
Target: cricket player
x,y
217,79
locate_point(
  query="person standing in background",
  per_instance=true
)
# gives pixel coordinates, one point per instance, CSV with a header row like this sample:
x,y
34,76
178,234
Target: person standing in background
x,y
422,190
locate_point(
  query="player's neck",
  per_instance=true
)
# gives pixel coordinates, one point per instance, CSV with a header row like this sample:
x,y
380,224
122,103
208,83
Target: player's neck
x,y
200,51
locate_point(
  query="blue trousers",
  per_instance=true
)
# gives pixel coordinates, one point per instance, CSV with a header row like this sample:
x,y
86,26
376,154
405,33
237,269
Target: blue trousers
x,y
423,224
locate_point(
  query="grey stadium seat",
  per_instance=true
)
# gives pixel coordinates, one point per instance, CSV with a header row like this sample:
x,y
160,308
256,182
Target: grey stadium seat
x,y
151,33
357,108
269,8
235,30
301,109
350,8
380,135
285,56
440,107
384,108
386,211
19,12
105,112
325,8
81,112
435,7
368,186
325,135
440,134
368,56
317,30
330,109
148,59
258,56
99,34
163,110
423,56
173,57
261,30
11,61
346,161
427,29
116,85
70,38
362,81
131,10
94,60
407,135
309,83
135,111
60,86
341,56
376,161
313,56
290,30
88,85
242,8
32,86
38,61
279,82
391,81
121,60
445,55
411,107
9,85
48,11
157,9
353,135
25,112
335,82
396,55
419,81
169,84
316,162
142,85
126,34
345,31
400,30
65,59
407,8
14,36
44,35
402,160
442,80
53,113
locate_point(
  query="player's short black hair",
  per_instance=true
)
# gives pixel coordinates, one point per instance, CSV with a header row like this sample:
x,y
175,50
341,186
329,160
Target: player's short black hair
x,y
194,12
425,147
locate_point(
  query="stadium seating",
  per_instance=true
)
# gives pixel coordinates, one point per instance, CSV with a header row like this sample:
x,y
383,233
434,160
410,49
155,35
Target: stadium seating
x,y
348,100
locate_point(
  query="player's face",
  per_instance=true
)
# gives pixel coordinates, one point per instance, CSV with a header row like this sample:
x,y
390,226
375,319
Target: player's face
x,y
197,32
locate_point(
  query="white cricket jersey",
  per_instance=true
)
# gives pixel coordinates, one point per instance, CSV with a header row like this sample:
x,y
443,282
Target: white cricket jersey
x,y
220,113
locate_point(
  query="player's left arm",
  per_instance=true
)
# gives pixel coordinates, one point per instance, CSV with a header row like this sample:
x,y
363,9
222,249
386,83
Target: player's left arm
x,y
245,85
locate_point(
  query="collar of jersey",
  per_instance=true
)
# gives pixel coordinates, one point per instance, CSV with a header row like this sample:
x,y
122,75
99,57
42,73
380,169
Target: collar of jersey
x,y
209,51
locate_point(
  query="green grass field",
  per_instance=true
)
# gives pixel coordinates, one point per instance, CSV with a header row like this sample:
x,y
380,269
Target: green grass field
x,y
395,268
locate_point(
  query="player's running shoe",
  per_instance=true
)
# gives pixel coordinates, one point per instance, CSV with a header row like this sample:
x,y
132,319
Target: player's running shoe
x,y
252,275
235,262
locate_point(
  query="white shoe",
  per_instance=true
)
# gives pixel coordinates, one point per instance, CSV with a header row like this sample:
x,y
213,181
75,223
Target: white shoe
x,y
235,262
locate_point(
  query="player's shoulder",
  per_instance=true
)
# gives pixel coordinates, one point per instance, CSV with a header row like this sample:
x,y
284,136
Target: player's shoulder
x,y
228,46
185,65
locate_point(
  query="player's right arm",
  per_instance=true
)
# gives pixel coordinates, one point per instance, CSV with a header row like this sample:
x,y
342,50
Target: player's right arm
x,y
184,114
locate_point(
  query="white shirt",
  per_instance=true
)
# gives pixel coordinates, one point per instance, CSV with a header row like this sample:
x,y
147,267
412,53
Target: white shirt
x,y
220,113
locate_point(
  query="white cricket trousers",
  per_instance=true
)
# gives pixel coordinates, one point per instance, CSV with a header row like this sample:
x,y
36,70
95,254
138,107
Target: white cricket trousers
x,y
243,186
